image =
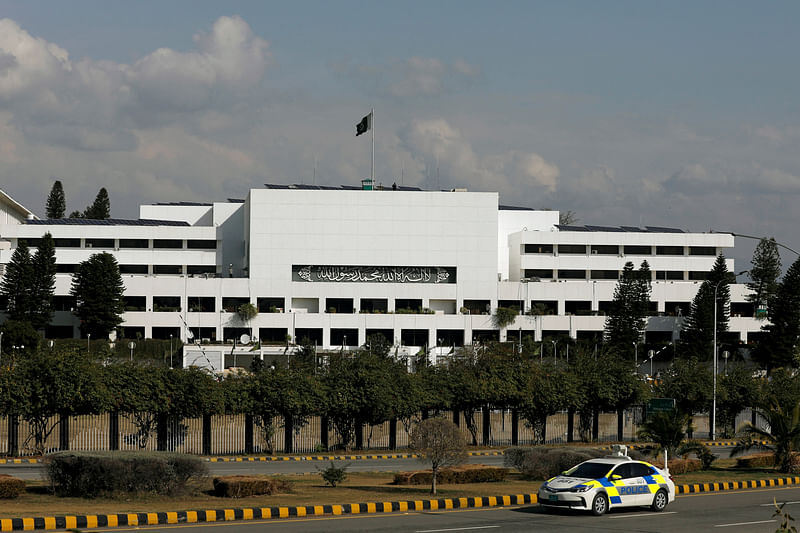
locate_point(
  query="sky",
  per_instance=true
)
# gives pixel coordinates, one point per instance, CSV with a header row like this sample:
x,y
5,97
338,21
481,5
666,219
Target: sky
x,y
681,114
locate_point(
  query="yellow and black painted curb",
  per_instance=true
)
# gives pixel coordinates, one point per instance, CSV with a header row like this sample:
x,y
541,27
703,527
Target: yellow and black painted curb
x,y
271,458
256,513
736,485
19,461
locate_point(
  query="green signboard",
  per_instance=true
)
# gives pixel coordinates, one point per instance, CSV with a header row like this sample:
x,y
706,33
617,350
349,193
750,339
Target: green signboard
x,y
660,405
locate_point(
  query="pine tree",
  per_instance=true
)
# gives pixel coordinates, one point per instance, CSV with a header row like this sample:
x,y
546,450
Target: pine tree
x,y
697,333
56,203
98,291
76,214
777,349
44,281
627,320
764,273
17,282
101,208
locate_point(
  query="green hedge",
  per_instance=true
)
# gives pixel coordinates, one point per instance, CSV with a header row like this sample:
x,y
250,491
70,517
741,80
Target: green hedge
x,y
10,487
243,486
111,474
541,462
453,476
758,460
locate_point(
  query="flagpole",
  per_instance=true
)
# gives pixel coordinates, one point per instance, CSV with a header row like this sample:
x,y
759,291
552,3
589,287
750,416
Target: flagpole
x,y
372,170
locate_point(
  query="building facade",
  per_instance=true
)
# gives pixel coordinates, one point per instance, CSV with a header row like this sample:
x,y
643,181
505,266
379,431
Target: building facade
x,y
335,265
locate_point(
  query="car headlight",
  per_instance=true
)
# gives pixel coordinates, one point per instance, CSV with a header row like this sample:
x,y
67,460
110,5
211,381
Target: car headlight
x,y
579,488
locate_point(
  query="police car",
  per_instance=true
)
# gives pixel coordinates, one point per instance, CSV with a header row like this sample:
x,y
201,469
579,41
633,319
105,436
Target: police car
x,y
606,483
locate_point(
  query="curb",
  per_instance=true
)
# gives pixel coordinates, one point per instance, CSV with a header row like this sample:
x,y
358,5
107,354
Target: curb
x,y
736,485
271,458
256,513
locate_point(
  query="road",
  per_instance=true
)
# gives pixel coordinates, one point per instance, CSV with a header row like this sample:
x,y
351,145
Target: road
x,y
735,512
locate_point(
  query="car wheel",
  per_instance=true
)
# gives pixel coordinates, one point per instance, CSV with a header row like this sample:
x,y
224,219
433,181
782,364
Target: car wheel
x,y
600,504
660,501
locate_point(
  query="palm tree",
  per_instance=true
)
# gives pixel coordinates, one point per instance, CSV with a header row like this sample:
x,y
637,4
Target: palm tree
x,y
665,429
781,438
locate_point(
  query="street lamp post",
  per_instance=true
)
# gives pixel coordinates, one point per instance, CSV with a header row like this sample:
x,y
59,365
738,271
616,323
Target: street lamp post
x,y
555,352
88,339
635,355
170,350
714,386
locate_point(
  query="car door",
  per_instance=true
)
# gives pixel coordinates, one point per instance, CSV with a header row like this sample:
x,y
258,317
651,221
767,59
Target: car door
x,y
631,487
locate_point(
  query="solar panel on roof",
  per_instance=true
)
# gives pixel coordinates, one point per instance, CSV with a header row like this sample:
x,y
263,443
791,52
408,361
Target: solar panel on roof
x,y
106,222
275,186
632,228
571,228
350,188
604,228
659,229
514,208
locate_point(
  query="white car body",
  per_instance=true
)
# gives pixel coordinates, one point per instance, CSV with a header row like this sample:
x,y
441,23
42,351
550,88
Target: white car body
x,y
606,483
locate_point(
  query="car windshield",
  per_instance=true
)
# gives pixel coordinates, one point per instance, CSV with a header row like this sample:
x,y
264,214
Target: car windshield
x,y
589,470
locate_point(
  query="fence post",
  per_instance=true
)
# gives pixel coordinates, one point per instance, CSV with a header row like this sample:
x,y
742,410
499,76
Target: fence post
x,y
570,424
206,434
486,423
113,430
248,434
514,427
13,435
595,425
359,434
323,429
456,418
63,432
620,424
392,433
288,434
161,433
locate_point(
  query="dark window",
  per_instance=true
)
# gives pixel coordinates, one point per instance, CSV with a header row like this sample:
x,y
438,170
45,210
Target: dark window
x,y
414,337
344,337
272,335
623,471
477,307
590,470
698,275
544,307
538,248
66,269
231,304
201,244
485,335
166,304
532,273
311,336
63,303
199,270
201,304
131,332
339,305
133,269
669,274
669,250
387,334
134,243
202,335
742,309
167,243
167,269
605,274
605,306
636,249
641,470
577,307
270,305
32,243
605,249
405,305
450,337
134,303
58,332
374,305
702,250
571,274
67,243
571,248
99,243
677,308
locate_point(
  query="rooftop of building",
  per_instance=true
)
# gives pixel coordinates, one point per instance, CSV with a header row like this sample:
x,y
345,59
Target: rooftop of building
x,y
105,222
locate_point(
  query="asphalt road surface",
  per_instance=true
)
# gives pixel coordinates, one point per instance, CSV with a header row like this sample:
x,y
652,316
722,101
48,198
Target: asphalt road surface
x,y
735,512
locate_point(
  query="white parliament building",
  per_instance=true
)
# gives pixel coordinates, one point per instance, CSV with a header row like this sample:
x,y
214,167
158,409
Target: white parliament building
x,y
334,265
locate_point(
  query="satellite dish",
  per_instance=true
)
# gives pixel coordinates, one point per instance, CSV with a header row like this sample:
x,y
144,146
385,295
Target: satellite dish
x,y
131,345
189,334
244,339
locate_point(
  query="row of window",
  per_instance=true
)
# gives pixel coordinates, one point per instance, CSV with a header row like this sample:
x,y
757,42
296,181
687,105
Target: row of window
x,y
545,273
143,270
613,249
172,244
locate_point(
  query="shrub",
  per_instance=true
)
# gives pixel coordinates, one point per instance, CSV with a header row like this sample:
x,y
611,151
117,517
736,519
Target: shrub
x,y
333,475
684,466
454,476
243,486
541,462
757,460
109,474
10,487
702,452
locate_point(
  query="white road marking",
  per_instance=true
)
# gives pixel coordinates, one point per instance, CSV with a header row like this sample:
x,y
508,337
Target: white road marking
x,y
745,523
455,529
779,503
639,515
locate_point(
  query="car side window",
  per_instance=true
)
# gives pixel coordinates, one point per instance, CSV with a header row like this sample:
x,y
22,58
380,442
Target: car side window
x,y
623,471
640,470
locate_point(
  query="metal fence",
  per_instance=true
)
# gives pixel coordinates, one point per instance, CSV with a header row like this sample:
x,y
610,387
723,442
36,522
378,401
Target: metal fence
x,y
228,434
